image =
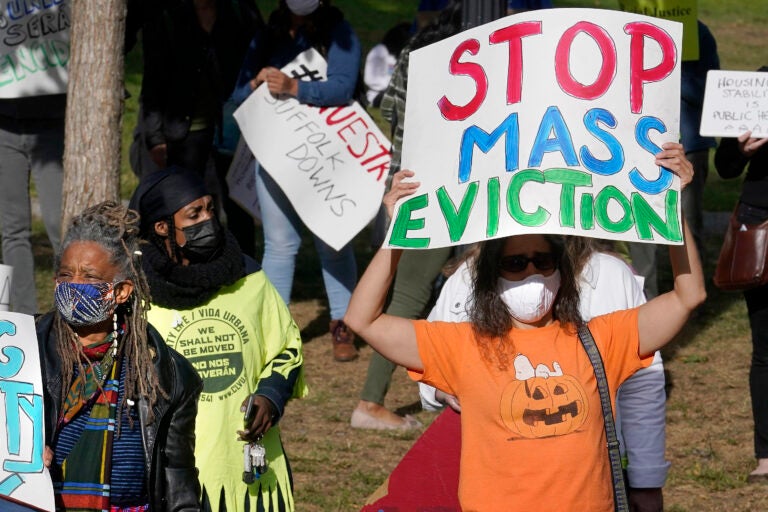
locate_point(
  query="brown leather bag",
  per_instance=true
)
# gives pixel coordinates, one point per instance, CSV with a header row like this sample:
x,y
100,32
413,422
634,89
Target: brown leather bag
x,y
743,257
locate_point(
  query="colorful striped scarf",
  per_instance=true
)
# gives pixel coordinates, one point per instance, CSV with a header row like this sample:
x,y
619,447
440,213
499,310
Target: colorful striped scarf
x,y
86,385
86,471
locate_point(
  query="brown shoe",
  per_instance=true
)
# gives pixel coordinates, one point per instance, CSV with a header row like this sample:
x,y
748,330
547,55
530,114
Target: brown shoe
x,y
343,342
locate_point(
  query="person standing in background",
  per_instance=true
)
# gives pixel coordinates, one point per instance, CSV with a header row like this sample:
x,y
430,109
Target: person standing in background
x,y
693,78
193,50
294,27
380,62
417,270
31,145
192,54
731,158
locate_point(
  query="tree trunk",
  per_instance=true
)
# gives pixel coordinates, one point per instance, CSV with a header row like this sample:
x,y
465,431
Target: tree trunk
x,y
95,97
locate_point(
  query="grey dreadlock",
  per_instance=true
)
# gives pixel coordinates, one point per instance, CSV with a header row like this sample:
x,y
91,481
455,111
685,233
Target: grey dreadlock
x,y
116,229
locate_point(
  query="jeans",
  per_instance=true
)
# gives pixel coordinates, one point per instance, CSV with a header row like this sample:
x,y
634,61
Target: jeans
x,y
282,239
36,147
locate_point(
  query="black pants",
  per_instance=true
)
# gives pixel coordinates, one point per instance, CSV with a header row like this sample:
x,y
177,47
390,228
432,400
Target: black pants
x,y
757,310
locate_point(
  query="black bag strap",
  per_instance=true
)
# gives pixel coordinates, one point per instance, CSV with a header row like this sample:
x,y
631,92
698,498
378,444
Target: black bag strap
x,y
621,503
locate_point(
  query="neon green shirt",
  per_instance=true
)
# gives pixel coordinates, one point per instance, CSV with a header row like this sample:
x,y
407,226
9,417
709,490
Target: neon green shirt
x,y
240,341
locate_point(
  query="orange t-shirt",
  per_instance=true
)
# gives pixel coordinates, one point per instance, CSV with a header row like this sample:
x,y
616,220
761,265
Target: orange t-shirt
x,y
532,436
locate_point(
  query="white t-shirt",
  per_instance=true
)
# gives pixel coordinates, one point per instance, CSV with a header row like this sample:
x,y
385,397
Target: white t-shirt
x,y
379,65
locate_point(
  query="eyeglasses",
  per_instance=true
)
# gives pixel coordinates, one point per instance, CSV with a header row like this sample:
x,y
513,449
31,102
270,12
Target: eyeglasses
x,y
519,262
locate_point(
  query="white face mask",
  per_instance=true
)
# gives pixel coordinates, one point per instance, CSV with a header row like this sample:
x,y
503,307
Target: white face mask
x,y
531,299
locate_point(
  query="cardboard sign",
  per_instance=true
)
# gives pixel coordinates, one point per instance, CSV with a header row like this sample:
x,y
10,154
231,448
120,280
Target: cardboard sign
x,y
241,180
543,122
331,162
34,47
23,477
735,102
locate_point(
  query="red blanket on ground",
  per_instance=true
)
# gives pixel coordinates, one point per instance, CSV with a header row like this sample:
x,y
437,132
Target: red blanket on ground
x,y
427,479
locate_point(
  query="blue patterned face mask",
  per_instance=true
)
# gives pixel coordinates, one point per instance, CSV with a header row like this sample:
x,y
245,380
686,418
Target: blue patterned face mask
x,y
82,304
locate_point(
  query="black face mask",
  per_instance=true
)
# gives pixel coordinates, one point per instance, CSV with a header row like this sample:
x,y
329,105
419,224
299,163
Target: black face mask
x,y
204,240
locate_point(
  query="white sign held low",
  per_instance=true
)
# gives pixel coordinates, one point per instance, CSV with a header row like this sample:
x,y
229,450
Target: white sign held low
x,y
331,162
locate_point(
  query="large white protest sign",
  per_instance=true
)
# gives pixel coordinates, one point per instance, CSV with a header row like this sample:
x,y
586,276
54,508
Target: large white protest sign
x,y
23,477
735,102
331,162
546,121
34,47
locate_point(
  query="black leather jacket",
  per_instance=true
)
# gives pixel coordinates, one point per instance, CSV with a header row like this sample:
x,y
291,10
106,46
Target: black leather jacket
x,y
169,440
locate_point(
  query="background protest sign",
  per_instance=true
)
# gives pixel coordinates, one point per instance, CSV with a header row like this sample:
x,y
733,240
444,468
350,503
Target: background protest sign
x,y
683,11
34,47
735,102
331,162
241,180
23,477
546,121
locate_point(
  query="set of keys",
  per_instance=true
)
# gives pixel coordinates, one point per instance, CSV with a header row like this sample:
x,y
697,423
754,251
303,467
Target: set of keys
x,y
255,461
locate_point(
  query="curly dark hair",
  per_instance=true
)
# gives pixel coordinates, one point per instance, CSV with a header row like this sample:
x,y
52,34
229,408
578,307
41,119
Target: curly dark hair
x,y
116,229
492,321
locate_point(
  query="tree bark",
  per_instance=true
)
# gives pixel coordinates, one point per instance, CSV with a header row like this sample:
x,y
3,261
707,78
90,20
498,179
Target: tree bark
x,y
95,96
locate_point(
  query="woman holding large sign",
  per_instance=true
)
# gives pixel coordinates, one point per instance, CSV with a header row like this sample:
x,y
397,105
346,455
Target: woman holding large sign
x,y
528,392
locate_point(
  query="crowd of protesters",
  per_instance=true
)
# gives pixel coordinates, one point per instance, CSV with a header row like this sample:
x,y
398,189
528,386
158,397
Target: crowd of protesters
x,y
175,352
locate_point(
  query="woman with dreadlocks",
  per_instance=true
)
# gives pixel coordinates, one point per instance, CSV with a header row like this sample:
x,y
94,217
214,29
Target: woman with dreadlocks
x,y
120,405
215,306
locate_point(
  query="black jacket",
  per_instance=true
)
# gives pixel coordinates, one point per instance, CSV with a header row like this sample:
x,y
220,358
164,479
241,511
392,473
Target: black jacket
x,y
169,440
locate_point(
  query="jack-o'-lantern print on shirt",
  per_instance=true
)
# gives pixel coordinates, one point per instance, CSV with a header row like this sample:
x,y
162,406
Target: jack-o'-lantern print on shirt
x,y
542,401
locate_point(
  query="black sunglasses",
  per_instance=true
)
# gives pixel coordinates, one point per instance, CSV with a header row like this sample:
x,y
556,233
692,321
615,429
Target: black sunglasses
x,y
519,262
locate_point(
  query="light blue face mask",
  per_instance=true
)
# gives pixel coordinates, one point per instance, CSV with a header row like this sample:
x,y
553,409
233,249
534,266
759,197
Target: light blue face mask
x,y
82,304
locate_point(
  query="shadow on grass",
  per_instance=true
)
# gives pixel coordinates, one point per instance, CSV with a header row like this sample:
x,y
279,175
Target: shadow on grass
x,y
413,408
